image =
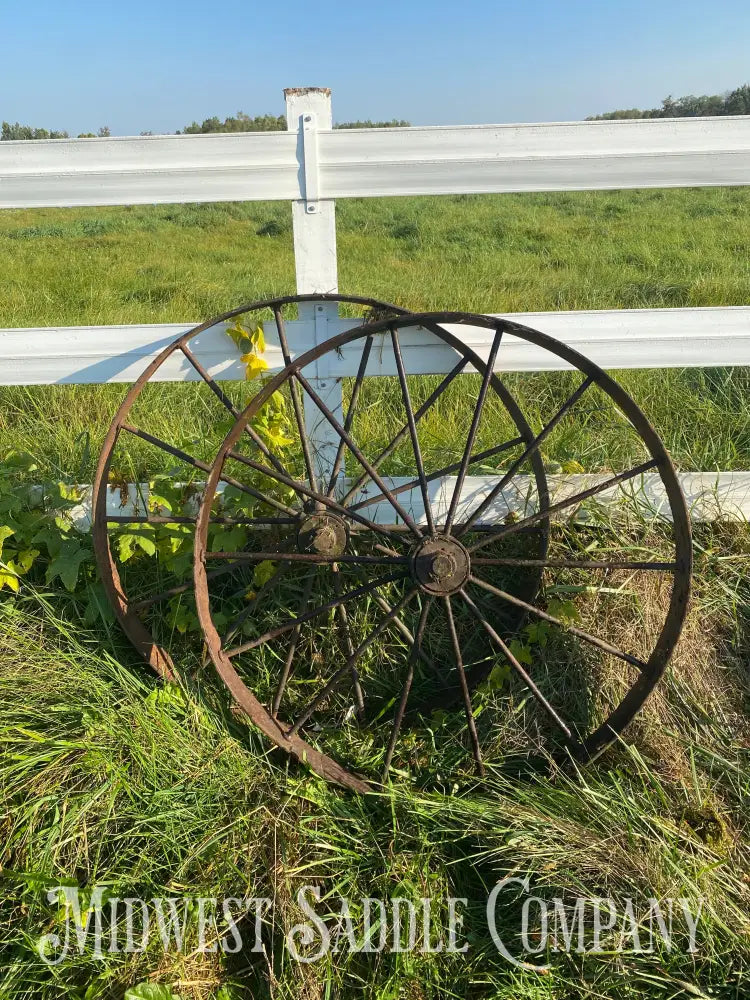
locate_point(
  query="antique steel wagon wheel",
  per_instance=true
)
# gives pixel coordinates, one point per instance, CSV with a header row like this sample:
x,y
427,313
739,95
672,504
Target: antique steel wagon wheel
x,y
139,442
408,579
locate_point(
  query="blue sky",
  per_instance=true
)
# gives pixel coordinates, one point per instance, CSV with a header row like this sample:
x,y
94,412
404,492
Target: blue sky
x,y
158,65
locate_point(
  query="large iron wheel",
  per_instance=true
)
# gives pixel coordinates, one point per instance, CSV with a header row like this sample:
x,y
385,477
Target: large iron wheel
x,y
391,588
119,502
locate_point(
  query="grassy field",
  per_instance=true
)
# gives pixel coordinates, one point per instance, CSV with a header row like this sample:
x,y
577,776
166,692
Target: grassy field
x,y
491,253
108,779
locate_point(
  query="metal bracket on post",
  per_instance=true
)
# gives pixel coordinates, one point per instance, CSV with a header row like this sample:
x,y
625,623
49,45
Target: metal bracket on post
x,y
310,161
314,225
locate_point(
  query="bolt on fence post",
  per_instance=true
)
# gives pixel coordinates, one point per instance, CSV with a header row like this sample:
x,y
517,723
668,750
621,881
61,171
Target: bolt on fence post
x,y
308,109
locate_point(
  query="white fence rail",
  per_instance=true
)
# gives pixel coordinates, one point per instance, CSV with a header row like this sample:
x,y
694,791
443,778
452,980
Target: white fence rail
x,y
362,163
616,338
313,164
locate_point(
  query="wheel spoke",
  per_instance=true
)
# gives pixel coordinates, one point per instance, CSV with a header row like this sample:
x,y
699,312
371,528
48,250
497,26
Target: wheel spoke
x,y
412,430
314,612
389,449
405,517
354,399
305,490
399,624
346,668
531,448
181,588
439,473
342,613
251,604
304,601
179,519
296,402
399,717
516,665
226,401
580,633
575,563
468,708
464,467
197,464
308,557
525,522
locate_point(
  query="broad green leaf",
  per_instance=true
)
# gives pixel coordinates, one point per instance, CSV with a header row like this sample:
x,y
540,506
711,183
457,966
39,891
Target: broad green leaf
x,y
98,606
5,532
150,991
498,677
157,503
69,493
24,560
537,632
166,696
128,543
19,461
263,572
521,651
566,611
230,539
276,404
66,565
182,617
238,335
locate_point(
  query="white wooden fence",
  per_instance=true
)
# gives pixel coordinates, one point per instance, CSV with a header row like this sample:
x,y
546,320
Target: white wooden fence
x,y
312,164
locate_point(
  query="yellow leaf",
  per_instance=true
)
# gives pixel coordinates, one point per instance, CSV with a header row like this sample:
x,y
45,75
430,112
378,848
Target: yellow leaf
x,y
9,580
254,366
571,466
237,333
250,595
258,340
276,435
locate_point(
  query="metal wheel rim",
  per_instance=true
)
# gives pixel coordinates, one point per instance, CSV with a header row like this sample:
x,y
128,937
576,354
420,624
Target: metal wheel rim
x,y
652,670
132,624
130,620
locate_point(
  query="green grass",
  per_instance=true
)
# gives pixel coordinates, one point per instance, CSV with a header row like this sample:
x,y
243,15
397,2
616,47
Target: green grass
x,y
489,253
105,778
109,782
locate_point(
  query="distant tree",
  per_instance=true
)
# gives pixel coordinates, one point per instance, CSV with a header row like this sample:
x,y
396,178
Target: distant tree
x,y
103,133
738,102
239,123
18,131
394,123
734,102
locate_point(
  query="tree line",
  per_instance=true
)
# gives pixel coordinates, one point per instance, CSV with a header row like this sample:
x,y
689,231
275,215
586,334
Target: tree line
x,y
240,122
18,131
734,102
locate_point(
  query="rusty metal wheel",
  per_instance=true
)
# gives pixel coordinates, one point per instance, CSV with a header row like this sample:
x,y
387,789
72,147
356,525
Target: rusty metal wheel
x,y
142,601
404,580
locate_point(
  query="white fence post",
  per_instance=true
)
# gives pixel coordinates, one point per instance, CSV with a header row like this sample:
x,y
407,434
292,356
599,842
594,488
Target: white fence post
x,y
314,223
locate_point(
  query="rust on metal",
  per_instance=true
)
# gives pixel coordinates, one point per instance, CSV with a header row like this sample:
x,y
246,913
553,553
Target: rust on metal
x,y
421,576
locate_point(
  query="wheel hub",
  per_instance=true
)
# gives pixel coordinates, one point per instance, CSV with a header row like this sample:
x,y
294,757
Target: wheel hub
x,y
323,534
440,566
